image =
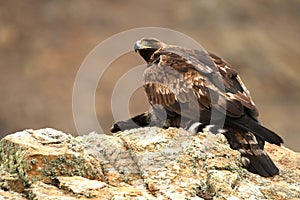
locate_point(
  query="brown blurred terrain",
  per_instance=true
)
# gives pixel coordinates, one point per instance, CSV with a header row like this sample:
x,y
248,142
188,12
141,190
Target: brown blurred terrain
x,y
43,43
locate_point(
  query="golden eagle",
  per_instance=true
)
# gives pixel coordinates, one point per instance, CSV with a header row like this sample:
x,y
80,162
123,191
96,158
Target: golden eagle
x,y
188,86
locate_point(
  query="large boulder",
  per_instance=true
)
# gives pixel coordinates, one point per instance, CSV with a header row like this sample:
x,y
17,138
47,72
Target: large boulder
x,y
144,163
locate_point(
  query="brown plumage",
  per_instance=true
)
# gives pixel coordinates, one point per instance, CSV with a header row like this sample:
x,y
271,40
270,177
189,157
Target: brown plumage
x,y
196,86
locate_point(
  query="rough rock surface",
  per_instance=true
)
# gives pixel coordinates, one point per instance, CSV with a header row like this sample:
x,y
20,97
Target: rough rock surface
x,y
144,163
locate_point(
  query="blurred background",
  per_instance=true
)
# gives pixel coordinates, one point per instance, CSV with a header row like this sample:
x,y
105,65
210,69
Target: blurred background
x,y
43,43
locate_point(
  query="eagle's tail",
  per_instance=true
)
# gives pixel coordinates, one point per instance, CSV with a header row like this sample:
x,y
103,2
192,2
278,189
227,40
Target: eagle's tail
x,y
257,129
254,158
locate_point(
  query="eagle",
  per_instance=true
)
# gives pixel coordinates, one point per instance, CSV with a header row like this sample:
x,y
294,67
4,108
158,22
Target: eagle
x,y
195,89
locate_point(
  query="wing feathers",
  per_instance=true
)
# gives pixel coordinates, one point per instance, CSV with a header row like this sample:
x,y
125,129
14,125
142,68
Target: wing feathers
x,y
180,72
249,124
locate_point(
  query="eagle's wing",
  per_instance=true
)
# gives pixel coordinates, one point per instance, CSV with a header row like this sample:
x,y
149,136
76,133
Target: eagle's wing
x,y
234,86
192,79
193,84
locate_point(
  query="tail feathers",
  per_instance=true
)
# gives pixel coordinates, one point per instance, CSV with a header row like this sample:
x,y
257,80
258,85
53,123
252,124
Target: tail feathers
x,y
257,129
254,158
260,164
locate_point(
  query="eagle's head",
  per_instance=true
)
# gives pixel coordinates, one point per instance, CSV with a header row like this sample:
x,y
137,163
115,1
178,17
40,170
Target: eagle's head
x,y
147,46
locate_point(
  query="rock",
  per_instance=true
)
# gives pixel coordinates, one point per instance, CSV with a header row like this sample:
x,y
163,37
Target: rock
x,y
40,190
11,195
144,163
43,155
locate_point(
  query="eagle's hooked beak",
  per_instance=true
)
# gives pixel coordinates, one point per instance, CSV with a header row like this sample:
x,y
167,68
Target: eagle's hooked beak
x,y
137,46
